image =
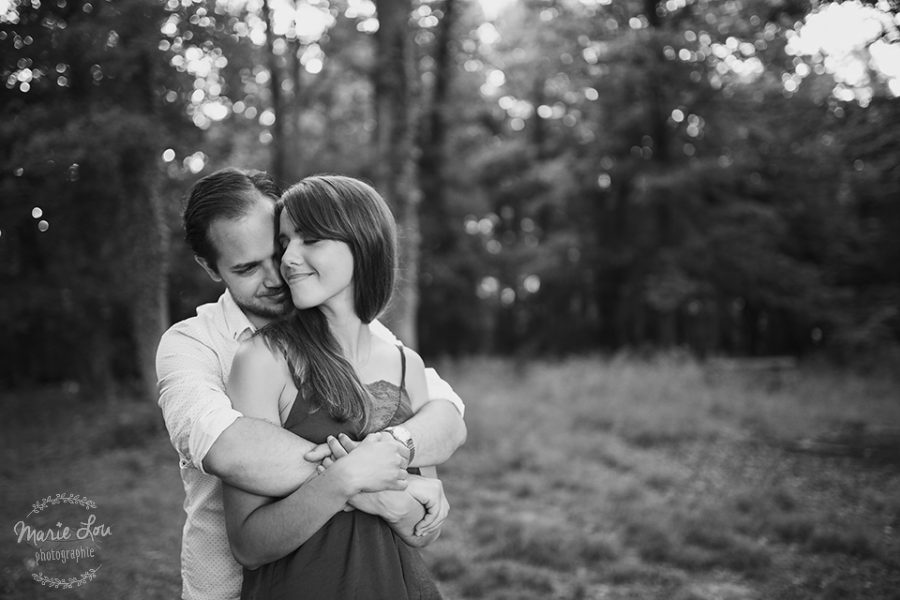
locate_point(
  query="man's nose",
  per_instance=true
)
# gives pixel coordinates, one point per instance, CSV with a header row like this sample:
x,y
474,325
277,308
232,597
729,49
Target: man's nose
x,y
273,275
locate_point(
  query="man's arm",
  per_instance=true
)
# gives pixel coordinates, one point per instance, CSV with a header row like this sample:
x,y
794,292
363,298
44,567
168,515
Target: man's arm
x,y
210,435
437,430
436,427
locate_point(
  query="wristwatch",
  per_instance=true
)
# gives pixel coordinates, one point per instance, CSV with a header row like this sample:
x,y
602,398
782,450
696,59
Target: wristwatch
x,y
402,435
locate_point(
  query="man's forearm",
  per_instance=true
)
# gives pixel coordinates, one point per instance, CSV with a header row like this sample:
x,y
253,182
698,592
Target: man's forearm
x,y
259,457
437,430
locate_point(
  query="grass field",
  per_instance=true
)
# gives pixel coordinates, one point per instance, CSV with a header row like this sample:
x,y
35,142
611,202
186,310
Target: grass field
x,y
588,478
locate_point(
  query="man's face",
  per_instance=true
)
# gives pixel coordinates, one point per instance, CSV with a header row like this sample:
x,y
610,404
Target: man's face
x,y
247,262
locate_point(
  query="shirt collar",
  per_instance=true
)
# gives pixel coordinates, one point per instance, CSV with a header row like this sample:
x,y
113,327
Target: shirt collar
x,y
238,325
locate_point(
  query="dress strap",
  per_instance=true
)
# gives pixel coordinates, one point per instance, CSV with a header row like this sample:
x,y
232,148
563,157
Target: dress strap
x,y
402,366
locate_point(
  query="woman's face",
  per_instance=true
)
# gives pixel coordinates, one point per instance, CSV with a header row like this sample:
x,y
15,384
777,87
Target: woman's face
x,y
317,272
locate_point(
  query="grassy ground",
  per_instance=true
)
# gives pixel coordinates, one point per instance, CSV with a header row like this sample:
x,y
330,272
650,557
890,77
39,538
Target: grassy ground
x,y
589,478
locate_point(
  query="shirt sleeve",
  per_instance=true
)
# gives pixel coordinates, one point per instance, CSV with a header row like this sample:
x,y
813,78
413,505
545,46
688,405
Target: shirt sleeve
x,y
192,396
438,389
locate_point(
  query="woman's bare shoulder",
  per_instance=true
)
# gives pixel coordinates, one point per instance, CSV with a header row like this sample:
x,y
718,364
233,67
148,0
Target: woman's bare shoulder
x,y
386,361
257,355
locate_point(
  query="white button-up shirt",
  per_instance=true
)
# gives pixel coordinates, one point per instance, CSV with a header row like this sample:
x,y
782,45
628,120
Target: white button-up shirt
x,y
193,362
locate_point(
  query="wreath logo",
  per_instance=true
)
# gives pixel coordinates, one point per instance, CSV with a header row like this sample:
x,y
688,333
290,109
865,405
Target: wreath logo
x,y
65,537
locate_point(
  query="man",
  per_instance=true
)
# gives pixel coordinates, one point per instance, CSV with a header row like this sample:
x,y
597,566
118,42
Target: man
x,y
230,225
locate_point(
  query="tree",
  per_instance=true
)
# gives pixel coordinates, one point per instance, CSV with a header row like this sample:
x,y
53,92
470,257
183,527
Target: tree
x,y
395,171
85,83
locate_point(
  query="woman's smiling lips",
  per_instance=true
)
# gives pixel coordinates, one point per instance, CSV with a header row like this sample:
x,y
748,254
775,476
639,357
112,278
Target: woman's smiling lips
x,y
293,276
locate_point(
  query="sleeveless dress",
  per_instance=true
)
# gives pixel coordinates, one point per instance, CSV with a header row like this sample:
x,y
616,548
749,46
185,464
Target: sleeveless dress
x,y
355,555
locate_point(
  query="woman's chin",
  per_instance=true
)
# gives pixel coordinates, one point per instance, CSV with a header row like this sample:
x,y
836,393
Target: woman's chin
x,y
301,303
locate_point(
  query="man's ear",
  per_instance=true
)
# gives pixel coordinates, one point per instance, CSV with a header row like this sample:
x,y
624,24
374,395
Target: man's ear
x,y
209,270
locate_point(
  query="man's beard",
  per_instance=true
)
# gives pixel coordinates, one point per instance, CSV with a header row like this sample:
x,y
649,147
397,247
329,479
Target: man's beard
x,y
268,311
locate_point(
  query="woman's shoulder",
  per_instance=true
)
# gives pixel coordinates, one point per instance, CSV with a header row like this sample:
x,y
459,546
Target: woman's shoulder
x,y
393,359
256,353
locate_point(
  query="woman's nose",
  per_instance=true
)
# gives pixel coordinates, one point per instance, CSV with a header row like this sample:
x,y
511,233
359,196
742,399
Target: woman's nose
x,y
292,255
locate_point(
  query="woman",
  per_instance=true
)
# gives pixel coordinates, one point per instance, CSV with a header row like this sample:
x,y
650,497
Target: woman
x,y
324,375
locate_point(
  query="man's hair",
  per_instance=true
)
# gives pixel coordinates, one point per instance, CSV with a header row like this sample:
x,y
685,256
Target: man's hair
x,y
226,194
333,207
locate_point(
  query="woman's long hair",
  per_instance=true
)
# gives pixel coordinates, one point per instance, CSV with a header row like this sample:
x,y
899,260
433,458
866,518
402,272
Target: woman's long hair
x,y
333,207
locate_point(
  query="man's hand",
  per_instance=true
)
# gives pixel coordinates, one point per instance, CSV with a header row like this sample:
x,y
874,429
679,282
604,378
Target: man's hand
x,y
389,505
430,493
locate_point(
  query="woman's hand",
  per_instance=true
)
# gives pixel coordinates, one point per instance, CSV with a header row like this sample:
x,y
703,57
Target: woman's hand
x,y
377,463
334,448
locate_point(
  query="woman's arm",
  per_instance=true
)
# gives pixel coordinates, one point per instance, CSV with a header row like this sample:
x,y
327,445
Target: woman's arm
x,y
262,529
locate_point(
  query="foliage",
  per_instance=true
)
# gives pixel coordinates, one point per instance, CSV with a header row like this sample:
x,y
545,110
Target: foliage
x,y
84,224
589,174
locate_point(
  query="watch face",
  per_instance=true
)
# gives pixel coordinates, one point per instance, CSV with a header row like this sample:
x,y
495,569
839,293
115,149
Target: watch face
x,y
401,434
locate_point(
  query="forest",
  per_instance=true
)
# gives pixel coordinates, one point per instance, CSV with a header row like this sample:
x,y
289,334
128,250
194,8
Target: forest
x,y
569,176
653,245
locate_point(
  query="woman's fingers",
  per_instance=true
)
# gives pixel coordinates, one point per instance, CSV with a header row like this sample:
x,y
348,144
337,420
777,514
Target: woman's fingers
x,y
319,452
337,450
348,444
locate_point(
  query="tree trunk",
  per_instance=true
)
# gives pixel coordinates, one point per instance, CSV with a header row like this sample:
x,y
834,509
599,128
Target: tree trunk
x,y
149,307
656,106
97,349
291,110
438,238
277,129
396,172
149,317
